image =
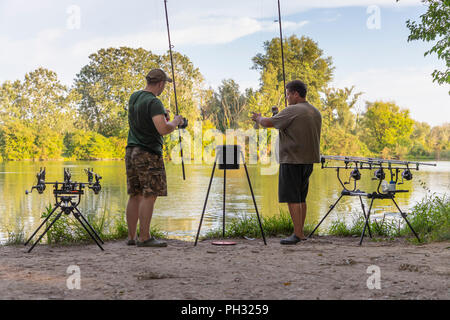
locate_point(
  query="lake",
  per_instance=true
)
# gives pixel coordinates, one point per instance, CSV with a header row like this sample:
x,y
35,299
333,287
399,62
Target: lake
x,y
179,213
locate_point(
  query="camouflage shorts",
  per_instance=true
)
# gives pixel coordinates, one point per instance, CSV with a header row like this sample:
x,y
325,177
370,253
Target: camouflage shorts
x,y
146,173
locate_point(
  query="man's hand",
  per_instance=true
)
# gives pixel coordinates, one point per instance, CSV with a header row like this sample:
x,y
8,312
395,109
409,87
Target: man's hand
x,y
265,122
167,116
178,120
256,117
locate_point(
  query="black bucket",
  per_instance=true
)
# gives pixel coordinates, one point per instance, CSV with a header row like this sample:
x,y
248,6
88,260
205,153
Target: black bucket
x,y
229,157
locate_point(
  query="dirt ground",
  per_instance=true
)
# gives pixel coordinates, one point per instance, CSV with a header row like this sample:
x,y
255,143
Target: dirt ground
x,y
320,268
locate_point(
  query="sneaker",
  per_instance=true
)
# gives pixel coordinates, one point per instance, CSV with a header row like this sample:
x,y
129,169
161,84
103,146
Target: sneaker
x,y
152,242
131,242
291,240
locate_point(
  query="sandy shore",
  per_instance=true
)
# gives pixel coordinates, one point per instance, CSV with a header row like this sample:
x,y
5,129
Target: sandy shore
x,y
321,268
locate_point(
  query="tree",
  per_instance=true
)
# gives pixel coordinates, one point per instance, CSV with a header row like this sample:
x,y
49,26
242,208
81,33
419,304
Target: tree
x,y
40,101
435,26
439,139
304,61
113,74
419,138
385,125
226,108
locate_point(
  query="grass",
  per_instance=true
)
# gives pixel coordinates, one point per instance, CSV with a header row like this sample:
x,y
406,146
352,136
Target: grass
x,y
248,226
67,230
430,218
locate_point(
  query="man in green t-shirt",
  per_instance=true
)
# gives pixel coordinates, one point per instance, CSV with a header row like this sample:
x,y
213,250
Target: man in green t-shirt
x,y
146,174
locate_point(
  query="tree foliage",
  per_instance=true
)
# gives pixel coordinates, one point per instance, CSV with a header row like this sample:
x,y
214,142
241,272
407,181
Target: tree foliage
x,y
113,74
434,26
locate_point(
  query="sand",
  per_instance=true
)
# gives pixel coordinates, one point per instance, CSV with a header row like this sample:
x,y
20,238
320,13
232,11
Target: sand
x,y
320,268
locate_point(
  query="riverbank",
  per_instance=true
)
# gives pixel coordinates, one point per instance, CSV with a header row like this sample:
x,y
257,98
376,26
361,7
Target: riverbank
x,y
320,268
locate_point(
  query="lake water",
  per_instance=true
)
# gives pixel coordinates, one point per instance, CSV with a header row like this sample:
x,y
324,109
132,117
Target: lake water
x,y
179,213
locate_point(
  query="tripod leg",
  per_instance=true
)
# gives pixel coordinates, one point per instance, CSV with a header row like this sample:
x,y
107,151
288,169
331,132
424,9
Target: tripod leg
x,y
364,212
254,202
404,217
43,223
206,202
331,209
367,222
45,232
77,216
224,198
90,227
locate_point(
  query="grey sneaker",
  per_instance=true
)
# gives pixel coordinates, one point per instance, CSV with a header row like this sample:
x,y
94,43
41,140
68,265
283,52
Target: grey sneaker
x,y
131,242
152,242
291,240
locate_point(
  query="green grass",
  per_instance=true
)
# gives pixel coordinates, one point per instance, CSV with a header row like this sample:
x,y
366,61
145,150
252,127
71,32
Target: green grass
x,y
15,238
430,218
248,226
67,230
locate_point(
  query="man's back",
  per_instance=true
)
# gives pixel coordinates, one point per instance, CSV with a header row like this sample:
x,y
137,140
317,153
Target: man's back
x,y
300,128
143,106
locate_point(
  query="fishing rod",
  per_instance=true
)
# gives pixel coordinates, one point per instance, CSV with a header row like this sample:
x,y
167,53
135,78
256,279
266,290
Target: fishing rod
x,y
174,86
282,53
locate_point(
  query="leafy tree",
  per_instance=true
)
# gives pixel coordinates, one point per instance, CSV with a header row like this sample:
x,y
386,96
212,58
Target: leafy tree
x,y
386,126
439,139
303,60
17,141
435,26
419,139
40,101
226,108
113,74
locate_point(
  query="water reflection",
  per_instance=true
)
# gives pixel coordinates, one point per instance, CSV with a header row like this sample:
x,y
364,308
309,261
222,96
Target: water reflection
x,y
179,213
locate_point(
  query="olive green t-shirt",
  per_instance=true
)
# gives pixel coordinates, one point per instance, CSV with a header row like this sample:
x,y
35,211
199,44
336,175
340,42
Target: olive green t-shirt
x,y
300,128
143,106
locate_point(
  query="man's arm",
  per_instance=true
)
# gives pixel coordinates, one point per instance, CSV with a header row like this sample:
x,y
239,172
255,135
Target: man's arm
x,y
164,127
264,122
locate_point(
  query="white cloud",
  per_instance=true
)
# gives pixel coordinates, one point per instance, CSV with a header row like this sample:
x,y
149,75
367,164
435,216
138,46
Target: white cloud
x,y
410,88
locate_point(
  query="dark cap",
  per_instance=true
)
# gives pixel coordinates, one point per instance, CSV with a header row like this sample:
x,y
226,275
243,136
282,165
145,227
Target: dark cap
x,y
157,75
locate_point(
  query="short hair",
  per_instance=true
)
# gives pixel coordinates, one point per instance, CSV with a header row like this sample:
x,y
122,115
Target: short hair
x,y
298,86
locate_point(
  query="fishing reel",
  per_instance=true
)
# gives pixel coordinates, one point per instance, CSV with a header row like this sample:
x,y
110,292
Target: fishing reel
x,y
406,175
40,186
275,110
379,174
96,187
355,175
182,126
185,124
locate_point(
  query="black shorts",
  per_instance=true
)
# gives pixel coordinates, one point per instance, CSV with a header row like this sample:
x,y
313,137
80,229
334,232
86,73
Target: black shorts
x,y
294,182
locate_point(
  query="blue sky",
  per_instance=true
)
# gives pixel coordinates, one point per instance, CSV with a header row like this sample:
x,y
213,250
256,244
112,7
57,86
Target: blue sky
x,y
221,37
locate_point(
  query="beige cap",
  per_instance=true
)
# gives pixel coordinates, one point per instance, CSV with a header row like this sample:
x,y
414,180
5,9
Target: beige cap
x,y
157,75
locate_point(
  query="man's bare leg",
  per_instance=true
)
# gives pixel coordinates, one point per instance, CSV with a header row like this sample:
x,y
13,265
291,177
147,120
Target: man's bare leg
x,y
133,216
303,208
296,215
146,207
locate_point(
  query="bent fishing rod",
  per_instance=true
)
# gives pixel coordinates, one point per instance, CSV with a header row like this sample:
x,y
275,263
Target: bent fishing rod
x,y
174,87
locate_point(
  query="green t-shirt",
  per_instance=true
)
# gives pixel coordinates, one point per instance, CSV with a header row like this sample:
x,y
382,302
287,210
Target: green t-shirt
x,y
143,106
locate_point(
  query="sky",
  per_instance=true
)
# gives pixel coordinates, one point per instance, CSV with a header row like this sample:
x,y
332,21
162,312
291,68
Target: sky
x,y
367,40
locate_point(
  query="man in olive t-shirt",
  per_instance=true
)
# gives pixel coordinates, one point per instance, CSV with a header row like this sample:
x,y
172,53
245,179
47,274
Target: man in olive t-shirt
x,y
300,128
146,175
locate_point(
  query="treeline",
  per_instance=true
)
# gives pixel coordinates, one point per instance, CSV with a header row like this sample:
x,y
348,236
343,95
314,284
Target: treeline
x,y
41,119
